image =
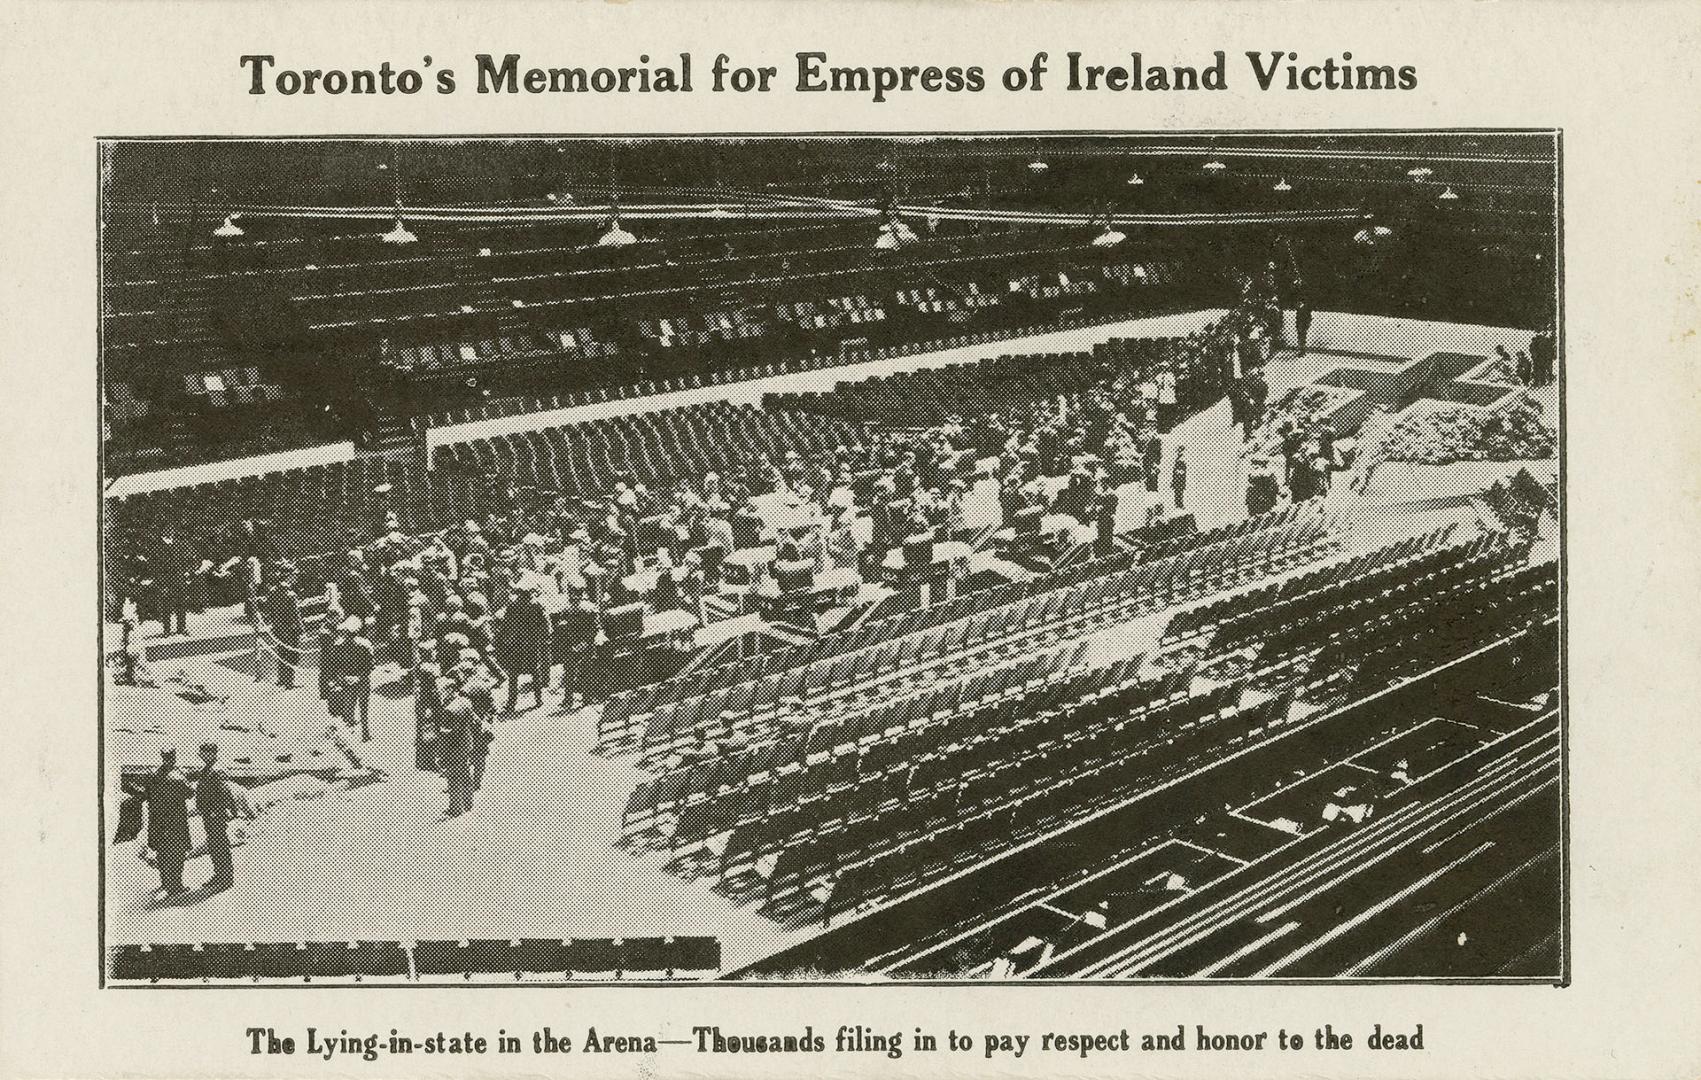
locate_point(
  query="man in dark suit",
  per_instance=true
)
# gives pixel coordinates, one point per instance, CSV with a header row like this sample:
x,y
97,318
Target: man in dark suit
x,y
522,646
747,527
282,615
576,632
455,744
168,794
218,804
1301,324
174,569
348,662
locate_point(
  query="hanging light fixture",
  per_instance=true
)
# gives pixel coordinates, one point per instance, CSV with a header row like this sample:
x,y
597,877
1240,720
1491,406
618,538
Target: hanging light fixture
x,y
1135,180
1282,185
1420,173
230,228
1449,195
1109,237
616,236
1037,166
1214,166
400,234
894,234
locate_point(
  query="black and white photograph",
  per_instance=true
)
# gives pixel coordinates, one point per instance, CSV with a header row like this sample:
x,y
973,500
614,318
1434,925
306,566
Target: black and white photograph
x,y
842,559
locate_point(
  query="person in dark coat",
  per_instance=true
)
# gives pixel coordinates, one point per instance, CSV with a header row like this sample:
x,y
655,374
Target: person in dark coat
x,y
522,647
1544,358
1240,409
1178,478
348,664
1153,461
174,569
455,747
218,804
1301,324
282,615
1104,517
1257,390
168,795
576,634
1293,441
1261,491
354,587
747,527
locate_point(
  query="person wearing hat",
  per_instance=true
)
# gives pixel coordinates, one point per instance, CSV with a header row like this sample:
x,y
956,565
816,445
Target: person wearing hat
x,y
455,741
348,663
280,621
329,628
167,795
476,543
218,803
575,633
1178,478
428,704
479,686
1262,490
522,646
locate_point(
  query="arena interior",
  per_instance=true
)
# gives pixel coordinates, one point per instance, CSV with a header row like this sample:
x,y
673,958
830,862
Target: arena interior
x,y
834,558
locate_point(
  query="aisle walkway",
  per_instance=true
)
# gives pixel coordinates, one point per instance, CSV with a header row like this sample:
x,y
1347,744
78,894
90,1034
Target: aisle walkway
x,y
535,858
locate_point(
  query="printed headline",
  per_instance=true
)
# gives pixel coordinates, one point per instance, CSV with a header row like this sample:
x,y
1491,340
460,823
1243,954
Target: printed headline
x,y
1268,70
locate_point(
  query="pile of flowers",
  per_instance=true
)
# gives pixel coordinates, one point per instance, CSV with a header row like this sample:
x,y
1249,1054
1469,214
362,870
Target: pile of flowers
x,y
1304,405
1449,433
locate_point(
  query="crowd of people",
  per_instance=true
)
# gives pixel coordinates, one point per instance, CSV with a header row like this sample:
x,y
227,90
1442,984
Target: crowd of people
x,y
156,812
481,617
1536,367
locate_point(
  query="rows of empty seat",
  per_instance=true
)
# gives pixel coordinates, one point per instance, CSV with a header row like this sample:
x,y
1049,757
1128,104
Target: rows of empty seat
x,y
821,744
1456,624
310,510
456,356
1234,530
207,962
653,448
916,398
1310,650
1047,608
1249,613
1075,758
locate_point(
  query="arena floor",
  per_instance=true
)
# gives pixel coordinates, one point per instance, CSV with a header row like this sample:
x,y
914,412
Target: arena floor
x,y
537,857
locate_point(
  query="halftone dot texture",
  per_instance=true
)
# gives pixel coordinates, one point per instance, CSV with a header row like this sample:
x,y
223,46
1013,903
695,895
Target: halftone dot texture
x,y
905,550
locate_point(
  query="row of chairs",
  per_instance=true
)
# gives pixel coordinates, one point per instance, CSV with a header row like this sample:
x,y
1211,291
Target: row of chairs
x,y
1057,604
915,398
359,960
1051,770
1448,629
1056,788
1268,603
714,327
814,742
1042,622
1378,577
654,448
503,408
1298,653
1273,519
